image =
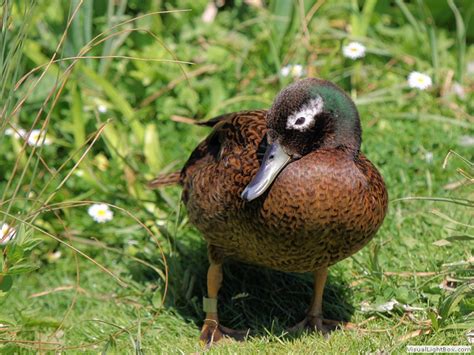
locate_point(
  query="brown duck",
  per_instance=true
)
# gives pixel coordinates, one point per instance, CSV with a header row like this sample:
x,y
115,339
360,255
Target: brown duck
x,y
286,188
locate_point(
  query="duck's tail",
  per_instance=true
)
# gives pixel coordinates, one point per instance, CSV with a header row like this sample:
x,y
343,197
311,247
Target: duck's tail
x,y
165,180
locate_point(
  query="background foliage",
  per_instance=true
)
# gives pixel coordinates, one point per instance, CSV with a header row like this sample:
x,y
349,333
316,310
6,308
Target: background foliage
x,y
111,82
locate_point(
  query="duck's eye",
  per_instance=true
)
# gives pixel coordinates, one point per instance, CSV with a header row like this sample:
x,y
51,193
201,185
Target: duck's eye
x,y
304,118
300,121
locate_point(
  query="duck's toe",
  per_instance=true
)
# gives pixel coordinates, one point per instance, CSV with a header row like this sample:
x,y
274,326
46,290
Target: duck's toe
x,y
317,324
212,332
314,323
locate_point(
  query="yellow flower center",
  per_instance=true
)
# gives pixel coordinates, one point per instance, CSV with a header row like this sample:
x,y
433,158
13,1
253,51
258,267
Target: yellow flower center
x,y
101,213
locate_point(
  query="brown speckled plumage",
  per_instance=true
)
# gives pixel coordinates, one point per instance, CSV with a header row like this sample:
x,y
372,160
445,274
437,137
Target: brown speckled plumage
x,y
325,204
321,208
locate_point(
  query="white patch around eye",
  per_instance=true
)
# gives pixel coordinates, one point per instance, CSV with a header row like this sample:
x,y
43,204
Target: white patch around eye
x,y
304,119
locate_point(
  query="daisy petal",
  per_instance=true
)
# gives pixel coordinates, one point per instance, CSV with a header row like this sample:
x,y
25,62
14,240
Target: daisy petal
x,y
295,71
419,80
100,212
7,233
354,50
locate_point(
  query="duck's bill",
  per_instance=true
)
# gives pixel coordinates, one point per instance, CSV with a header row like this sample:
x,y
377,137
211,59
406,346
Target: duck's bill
x,y
273,162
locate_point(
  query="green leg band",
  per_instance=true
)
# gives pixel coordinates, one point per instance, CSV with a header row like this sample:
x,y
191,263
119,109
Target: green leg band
x,y
209,305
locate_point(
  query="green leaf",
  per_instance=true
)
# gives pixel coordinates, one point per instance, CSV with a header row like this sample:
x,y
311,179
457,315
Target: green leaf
x,y
467,325
282,11
460,238
218,93
434,320
7,283
151,149
190,98
14,253
360,22
117,142
449,304
157,299
403,295
22,268
7,320
460,41
467,305
48,322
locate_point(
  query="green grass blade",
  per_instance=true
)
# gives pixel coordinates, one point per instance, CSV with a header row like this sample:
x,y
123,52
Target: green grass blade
x,y
78,118
152,149
413,21
460,42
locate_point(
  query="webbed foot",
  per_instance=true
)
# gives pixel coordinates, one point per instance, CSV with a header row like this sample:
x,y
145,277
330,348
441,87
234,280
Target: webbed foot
x,y
314,323
212,332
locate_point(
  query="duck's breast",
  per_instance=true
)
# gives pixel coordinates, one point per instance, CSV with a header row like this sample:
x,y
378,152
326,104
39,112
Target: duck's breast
x,y
327,187
321,209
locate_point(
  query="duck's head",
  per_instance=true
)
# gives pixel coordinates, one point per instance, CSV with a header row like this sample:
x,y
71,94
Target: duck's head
x,y
307,115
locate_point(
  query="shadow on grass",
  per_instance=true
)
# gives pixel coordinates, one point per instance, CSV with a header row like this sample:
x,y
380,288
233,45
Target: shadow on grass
x,y
251,297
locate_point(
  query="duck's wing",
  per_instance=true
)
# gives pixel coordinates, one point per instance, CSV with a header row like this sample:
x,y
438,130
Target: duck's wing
x,y
231,132
215,120
222,165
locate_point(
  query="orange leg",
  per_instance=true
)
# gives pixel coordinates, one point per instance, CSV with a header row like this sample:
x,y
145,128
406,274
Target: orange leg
x,y
315,313
314,317
210,331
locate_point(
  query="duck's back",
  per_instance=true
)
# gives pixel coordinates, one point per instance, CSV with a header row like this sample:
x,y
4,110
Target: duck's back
x,y
319,210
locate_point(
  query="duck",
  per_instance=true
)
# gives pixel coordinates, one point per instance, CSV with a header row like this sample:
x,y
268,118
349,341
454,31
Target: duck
x,y
286,188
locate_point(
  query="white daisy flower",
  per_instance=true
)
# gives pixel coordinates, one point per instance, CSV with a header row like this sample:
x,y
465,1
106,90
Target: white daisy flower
x,y
52,257
296,70
285,71
354,50
466,141
7,233
100,213
419,80
458,90
20,133
17,132
210,13
102,108
36,138
429,157
470,67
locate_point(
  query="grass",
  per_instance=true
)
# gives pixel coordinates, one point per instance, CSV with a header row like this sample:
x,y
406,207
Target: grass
x,y
108,81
